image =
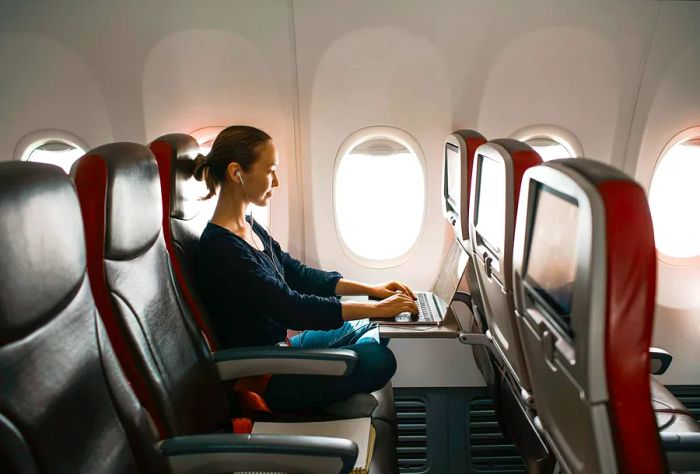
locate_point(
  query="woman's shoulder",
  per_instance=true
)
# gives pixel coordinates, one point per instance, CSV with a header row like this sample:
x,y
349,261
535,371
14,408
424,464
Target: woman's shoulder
x,y
216,239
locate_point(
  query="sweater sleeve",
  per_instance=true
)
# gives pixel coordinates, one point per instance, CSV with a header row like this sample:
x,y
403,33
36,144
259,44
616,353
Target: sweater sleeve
x,y
262,291
304,279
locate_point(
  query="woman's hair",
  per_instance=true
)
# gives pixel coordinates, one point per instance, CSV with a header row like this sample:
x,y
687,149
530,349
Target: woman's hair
x,y
238,143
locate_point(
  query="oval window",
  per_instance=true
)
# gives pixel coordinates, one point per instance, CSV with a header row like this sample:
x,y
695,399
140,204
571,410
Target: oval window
x,y
673,193
550,141
205,137
549,149
54,147
379,196
56,153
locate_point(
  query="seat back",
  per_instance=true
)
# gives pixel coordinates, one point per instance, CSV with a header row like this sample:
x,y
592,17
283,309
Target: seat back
x,y
585,276
65,405
157,339
182,217
459,149
496,177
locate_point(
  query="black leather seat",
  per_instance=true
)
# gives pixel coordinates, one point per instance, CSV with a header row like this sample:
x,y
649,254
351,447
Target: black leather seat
x,y
184,223
65,405
172,369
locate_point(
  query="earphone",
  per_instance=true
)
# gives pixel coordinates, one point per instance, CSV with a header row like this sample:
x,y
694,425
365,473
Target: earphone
x,y
252,232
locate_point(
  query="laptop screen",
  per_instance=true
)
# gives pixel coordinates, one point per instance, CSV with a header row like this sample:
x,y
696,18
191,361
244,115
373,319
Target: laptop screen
x,y
551,259
450,272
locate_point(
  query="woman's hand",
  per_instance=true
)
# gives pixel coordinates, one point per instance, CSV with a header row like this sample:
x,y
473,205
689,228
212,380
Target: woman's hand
x,y
388,288
394,305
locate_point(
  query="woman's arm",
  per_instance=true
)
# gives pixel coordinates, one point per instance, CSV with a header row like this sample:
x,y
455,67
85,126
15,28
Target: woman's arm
x,y
386,308
382,290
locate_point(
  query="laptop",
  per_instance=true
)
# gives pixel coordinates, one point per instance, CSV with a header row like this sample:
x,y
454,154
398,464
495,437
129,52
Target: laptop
x,y
433,305
431,311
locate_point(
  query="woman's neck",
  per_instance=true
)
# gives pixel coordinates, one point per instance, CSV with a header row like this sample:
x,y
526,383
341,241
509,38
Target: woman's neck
x,y
230,211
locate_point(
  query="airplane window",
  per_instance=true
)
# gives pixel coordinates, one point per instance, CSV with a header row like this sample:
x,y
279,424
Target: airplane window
x,y
672,194
205,137
550,141
54,147
56,153
379,197
549,149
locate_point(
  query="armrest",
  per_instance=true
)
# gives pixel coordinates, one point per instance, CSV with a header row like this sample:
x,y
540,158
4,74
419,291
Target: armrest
x,y
217,453
247,361
660,360
680,441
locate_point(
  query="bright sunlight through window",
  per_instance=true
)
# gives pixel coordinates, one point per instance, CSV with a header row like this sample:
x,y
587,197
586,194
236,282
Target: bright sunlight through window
x,y
379,199
673,197
549,149
56,153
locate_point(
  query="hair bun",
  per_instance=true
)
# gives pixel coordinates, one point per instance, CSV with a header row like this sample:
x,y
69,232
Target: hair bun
x,y
201,165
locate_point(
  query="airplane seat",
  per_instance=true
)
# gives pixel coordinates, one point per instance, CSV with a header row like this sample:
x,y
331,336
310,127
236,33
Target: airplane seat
x,y
182,223
57,366
585,278
460,147
460,151
499,168
182,226
497,172
129,266
153,333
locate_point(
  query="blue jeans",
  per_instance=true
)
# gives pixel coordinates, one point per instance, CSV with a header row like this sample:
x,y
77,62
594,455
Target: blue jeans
x,y
374,368
361,331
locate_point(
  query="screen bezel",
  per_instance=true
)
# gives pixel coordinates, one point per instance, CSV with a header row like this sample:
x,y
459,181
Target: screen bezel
x,y
543,302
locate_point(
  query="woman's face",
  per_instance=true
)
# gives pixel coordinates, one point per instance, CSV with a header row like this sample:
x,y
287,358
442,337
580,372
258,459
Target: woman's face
x,y
261,178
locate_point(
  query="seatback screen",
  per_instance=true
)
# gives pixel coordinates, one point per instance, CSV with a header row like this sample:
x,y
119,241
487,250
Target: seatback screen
x,y
551,260
491,202
453,183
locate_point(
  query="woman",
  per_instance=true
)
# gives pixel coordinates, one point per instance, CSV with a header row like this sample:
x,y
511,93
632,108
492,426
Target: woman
x,y
255,291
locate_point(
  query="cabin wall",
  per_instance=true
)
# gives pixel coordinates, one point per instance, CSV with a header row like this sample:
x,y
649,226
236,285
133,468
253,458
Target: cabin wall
x,y
622,76
132,71
669,102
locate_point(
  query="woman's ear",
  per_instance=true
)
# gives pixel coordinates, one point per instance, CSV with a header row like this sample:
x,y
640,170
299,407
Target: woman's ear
x,y
233,171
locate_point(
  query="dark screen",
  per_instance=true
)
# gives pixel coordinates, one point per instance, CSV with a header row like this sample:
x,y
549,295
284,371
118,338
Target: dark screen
x,y
551,261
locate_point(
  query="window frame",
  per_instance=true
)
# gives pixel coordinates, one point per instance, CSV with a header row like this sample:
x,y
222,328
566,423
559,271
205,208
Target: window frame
x,y
405,139
561,135
683,136
33,140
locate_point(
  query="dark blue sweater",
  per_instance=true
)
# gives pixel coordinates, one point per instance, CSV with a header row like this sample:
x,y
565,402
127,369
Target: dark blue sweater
x,y
248,303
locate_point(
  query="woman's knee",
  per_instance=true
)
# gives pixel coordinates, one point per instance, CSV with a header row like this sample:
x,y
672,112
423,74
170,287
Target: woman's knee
x,y
376,364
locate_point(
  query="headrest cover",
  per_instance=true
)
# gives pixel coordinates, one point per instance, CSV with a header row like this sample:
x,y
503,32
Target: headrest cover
x,y
133,209
175,153
42,250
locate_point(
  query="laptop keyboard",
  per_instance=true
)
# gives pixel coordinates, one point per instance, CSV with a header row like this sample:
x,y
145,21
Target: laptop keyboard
x,y
424,308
